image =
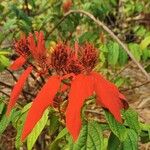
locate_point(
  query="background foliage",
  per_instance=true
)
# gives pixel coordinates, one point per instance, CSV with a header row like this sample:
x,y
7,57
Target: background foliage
x,y
128,19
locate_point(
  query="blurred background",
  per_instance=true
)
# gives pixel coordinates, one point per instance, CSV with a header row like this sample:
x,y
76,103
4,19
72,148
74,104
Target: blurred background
x,y
128,19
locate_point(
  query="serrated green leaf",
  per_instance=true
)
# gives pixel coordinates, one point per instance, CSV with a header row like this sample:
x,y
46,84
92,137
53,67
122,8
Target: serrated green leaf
x,y
145,43
90,138
37,130
131,117
131,142
113,53
123,57
114,143
118,129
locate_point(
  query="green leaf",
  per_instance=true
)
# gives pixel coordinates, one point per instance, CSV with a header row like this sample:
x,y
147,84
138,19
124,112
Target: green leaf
x,y
18,124
113,142
131,142
123,57
88,36
145,127
144,43
148,68
135,50
54,123
10,24
113,53
4,61
5,120
131,117
90,137
2,52
119,81
54,144
21,15
118,129
37,130
2,106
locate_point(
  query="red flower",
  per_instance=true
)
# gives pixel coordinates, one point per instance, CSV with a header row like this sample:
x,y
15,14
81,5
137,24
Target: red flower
x,y
25,47
38,50
17,89
74,64
21,47
40,103
67,5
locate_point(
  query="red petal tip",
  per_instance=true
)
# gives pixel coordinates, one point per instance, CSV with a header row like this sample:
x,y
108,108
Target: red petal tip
x,y
18,63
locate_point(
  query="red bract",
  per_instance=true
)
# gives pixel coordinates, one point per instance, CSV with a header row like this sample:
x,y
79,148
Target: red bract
x,y
40,103
81,89
71,64
25,47
18,63
17,89
21,47
108,95
38,50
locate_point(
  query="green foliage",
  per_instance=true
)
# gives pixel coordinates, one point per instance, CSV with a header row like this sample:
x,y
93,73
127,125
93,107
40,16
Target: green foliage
x,y
113,53
54,144
131,118
91,137
124,20
119,130
131,142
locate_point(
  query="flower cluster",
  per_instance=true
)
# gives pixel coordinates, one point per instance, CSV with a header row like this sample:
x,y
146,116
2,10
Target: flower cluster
x,y
75,63
79,59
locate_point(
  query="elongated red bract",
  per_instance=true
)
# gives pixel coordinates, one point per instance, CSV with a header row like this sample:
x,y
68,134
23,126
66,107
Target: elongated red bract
x,y
18,63
17,89
108,95
41,102
81,89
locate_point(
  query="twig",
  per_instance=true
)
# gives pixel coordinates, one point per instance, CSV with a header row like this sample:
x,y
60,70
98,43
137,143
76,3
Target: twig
x,y
4,93
118,73
101,24
19,104
134,87
14,77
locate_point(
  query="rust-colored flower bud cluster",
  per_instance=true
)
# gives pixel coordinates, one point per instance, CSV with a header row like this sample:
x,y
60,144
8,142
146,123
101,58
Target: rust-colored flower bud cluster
x,y
21,47
66,59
